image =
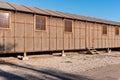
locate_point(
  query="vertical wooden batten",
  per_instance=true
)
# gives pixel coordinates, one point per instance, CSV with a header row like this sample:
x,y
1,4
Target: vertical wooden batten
x,y
85,34
79,35
34,23
25,53
93,32
63,31
49,29
56,32
73,27
50,18
14,30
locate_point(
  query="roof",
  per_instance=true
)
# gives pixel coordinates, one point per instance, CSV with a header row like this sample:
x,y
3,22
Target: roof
x,y
17,7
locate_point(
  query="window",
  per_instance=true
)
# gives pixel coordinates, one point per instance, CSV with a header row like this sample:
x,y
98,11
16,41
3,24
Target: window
x,y
40,23
104,29
68,26
116,30
4,20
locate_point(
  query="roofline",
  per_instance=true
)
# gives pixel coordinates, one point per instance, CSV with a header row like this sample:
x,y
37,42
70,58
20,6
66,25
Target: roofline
x,y
56,14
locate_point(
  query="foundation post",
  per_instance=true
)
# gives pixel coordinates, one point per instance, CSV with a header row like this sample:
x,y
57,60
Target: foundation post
x,y
25,56
51,52
63,53
109,50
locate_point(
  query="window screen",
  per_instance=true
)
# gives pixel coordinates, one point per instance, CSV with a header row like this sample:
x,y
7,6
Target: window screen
x,y
68,26
104,29
40,23
116,30
4,20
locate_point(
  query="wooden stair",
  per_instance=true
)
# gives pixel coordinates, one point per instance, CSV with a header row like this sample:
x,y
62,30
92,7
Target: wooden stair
x,y
92,51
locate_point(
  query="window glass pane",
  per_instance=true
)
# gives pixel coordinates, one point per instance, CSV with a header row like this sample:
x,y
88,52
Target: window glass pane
x,y
104,29
68,26
4,20
116,30
40,23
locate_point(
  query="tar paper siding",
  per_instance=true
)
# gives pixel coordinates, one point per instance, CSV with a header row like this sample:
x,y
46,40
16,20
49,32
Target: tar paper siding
x,y
22,36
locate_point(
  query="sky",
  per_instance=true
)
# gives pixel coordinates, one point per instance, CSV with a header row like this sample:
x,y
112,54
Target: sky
x,y
103,9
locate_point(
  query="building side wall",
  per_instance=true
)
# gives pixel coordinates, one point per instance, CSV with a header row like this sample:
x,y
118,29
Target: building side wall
x,y
22,35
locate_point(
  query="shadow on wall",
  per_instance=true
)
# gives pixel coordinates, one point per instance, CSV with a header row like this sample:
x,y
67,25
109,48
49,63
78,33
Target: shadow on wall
x,y
8,48
32,73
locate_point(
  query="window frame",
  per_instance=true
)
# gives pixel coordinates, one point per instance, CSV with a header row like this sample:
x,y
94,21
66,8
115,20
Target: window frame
x,y
36,22
65,25
9,20
117,31
104,30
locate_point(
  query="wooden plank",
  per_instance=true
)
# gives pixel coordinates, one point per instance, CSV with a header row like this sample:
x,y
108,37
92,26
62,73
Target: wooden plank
x,y
76,27
1,45
52,43
12,17
29,44
103,37
9,45
76,43
59,32
45,44
53,22
87,34
113,43
19,44
19,30
1,33
29,18
60,23
20,17
29,30
45,34
66,35
53,32
71,40
108,40
119,38
90,34
95,37
111,36
10,33
37,34
83,35
59,43
66,40
100,35
82,43
76,34
66,43
37,44
80,32
109,43
76,39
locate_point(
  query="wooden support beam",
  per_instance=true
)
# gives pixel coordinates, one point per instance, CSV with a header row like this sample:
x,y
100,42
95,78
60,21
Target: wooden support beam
x,y
25,56
108,50
63,53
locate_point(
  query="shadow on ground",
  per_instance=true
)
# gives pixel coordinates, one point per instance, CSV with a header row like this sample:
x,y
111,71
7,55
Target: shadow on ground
x,y
41,74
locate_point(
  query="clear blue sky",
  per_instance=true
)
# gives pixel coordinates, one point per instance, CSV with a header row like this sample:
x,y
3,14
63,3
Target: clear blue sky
x,y
104,9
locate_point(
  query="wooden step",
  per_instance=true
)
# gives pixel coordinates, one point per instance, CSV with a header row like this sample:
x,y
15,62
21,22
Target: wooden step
x,y
92,51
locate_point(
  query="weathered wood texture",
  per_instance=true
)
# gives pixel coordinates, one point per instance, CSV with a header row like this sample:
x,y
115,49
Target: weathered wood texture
x,y
22,36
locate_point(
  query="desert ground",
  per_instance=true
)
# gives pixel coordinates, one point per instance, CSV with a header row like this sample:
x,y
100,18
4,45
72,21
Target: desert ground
x,y
74,66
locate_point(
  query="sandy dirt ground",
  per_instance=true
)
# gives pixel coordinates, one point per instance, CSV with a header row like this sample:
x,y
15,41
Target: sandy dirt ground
x,y
110,72
74,66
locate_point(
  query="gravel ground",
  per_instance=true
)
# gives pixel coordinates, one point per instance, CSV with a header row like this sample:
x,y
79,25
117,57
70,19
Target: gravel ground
x,y
42,67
